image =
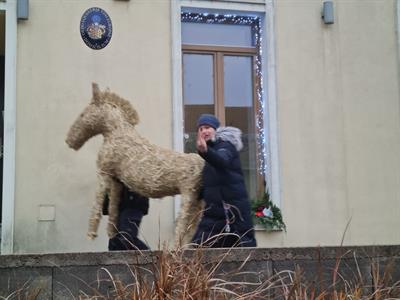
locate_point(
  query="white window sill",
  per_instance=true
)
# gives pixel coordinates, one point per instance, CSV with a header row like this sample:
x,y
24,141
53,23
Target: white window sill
x,y
259,227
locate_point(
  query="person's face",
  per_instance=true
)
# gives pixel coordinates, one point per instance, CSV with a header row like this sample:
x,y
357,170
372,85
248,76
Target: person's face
x,y
207,132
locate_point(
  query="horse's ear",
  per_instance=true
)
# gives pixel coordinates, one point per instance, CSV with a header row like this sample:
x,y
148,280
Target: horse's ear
x,y
96,92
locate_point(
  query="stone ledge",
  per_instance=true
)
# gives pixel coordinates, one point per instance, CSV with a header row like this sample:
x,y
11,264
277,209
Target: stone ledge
x,y
68,275
235,254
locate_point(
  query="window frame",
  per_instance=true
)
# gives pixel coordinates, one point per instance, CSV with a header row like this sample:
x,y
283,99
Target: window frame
x,y
8,201
266,11
218,53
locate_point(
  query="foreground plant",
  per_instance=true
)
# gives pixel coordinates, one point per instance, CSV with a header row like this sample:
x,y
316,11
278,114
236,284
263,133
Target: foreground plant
x,y
200,274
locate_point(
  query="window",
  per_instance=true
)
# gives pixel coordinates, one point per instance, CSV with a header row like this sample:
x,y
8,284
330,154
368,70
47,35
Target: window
x,y
221,76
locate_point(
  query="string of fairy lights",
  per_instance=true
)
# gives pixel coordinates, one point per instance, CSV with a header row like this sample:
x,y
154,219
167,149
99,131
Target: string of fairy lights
x,y
255,23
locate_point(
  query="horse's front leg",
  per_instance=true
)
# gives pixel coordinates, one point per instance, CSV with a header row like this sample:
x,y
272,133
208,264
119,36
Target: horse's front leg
x,y
103,186
188,218
115,198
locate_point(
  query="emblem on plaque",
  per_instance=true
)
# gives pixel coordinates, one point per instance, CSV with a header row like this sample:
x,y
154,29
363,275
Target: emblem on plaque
x,y
96,28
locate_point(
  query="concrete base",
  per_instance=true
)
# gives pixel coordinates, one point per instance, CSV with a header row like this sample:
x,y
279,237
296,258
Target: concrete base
x,y
70,275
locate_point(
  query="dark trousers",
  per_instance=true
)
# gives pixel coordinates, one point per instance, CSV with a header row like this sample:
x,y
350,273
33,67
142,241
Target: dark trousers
x,y
128,228
224,241
211,234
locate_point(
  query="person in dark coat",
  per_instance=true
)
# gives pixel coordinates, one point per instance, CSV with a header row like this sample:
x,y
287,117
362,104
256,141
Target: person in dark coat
x,y
226,220
132,208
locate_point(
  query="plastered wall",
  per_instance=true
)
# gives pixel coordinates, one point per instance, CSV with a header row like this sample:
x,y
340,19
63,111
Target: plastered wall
x,y
338,119
337,105
55,70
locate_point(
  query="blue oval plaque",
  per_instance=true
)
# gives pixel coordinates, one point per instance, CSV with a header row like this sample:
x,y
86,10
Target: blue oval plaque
x,y
96,28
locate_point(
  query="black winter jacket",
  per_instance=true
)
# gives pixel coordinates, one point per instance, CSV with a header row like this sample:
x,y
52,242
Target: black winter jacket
x,y
223,182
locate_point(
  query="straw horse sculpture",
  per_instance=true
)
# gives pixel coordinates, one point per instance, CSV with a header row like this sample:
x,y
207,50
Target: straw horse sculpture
x,y
126,157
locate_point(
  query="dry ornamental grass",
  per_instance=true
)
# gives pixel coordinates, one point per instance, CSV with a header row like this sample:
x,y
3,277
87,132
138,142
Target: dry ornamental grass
x,y
182,274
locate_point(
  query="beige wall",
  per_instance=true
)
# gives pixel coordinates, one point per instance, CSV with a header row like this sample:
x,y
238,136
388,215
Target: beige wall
x,y
338,119
54,74
338,103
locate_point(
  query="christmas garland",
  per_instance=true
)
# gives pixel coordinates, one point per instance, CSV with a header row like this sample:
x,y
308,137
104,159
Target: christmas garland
x,y
267,213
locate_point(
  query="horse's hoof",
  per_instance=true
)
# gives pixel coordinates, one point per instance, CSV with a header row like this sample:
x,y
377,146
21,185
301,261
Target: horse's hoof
x,y
92,235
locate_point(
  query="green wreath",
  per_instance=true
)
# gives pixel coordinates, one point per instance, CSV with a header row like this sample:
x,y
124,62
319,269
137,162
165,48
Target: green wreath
x,y
267,213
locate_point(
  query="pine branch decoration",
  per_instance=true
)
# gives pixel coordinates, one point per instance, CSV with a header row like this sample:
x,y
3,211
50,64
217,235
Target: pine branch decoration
x,y
266,213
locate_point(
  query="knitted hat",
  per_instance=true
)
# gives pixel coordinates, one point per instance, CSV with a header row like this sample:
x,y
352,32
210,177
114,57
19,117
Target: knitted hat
x,y
207,119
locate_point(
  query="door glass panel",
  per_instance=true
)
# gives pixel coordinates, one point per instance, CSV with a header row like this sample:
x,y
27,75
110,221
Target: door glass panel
x,y
240,112
198,93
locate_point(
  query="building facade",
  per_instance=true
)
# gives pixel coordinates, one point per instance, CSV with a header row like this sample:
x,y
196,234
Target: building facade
x,y
318,104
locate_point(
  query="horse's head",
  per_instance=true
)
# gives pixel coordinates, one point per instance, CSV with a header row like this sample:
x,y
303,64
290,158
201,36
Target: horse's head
x,y
105,112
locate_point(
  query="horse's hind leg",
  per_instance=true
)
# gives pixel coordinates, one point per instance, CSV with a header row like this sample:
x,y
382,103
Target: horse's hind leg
x,y
115,197
188,218
103,187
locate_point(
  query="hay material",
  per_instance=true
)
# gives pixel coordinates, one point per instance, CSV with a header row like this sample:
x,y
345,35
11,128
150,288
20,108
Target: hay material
x,y
143,167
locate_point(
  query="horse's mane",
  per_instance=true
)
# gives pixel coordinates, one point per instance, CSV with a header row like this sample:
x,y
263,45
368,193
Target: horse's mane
x,y
125,106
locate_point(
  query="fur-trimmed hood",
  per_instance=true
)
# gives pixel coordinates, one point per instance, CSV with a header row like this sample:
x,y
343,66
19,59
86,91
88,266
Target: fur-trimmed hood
x,y
230,134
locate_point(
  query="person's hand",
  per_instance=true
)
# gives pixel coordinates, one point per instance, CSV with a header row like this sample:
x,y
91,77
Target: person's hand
x,y
201,144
